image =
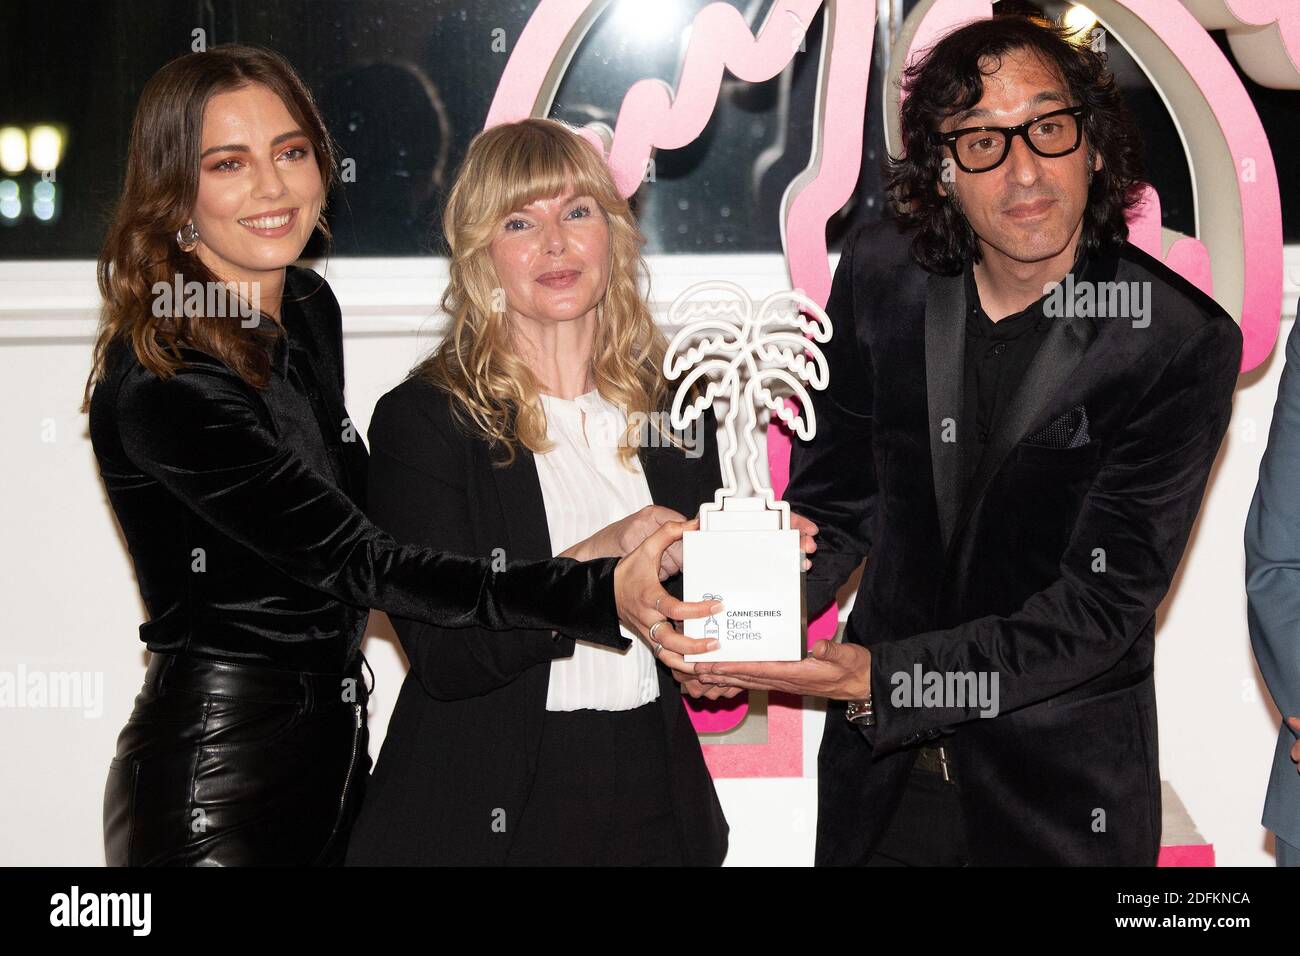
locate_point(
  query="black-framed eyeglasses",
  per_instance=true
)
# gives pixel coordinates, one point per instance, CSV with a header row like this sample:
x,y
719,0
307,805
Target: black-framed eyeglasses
x,y
978,149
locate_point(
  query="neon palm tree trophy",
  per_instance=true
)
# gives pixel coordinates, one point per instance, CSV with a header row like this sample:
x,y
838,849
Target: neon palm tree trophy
x,y
745,553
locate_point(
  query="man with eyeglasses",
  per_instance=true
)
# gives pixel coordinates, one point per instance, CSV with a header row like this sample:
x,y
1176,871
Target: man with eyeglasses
x,y
1022,473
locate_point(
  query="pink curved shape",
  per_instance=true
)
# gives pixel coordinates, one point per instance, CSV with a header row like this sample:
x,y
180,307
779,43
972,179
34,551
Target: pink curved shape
x,y
840,155
535,53
1261,204
1188,257
720,40
651,116
1261,13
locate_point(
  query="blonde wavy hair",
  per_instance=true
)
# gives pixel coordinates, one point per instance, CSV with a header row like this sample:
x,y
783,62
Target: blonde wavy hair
x,y
492,389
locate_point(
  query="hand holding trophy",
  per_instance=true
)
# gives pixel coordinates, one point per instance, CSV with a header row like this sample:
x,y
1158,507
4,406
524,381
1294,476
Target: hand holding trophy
x,y
747,552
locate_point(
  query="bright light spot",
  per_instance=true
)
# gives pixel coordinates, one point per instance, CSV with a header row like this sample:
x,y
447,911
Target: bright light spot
x,y
43,209
1079,19
13,150
47,147
642,23
8,189
11,208
43,191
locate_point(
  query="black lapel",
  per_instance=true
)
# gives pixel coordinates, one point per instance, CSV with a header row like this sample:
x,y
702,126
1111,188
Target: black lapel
x,y
528,536
1062,350
945,350
663,477
665,470
520,492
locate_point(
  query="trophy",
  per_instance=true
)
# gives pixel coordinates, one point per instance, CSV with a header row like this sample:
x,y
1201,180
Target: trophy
x,y
745,553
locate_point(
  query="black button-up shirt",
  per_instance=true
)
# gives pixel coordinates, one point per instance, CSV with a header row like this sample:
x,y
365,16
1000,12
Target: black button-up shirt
x,y
294,399
997,356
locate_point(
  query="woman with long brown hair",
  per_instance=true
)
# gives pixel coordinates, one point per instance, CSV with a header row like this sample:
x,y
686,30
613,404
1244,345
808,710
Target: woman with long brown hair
x,y
217,418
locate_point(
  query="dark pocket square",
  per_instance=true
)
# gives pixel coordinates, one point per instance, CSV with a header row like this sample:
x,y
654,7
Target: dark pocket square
x,y
1069,430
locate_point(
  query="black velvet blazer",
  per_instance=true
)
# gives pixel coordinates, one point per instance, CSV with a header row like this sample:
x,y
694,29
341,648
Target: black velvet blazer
x,y
246,552
1047,573
466,728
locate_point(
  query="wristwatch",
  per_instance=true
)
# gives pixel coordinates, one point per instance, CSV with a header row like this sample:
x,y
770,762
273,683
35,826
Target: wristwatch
x,y
859,712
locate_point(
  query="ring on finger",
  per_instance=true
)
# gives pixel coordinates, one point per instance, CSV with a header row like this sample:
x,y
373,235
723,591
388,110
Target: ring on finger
x,y
654,627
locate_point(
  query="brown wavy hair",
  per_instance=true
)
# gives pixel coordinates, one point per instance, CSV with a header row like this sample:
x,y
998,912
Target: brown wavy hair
x,y
949,78
492,389
158,196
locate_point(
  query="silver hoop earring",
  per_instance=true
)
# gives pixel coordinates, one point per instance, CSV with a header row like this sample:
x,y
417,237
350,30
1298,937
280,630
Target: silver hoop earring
x,y
187,237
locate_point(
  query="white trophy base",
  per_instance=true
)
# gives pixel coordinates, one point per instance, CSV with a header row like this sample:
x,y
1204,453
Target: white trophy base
x,y
745,559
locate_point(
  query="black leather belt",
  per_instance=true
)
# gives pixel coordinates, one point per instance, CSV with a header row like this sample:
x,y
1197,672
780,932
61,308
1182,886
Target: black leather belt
x,y
252,682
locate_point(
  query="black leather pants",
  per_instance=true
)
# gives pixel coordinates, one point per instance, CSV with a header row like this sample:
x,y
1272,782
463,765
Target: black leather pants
x,y
224,764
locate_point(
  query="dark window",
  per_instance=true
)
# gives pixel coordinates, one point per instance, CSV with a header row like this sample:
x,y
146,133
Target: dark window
x,y
404,86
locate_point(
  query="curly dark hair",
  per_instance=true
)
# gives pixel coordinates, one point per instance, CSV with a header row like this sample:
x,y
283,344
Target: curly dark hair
x,y
948,79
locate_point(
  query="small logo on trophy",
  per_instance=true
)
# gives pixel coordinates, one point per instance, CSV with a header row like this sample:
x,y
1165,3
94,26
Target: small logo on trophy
x,y
754,356
711,623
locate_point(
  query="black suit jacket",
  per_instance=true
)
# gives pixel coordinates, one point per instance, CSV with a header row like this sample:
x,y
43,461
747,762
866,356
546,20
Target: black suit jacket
x,y
1047,572
465,731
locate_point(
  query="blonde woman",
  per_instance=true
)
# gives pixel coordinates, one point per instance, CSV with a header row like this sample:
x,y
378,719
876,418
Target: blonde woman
x,y
522,435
